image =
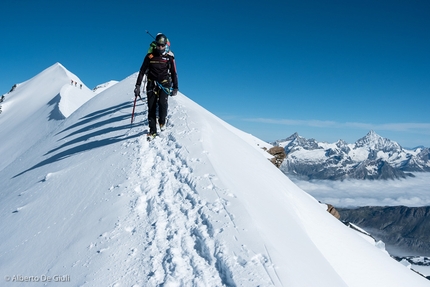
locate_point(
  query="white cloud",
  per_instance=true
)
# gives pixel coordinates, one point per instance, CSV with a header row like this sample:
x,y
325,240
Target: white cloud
x,y
408,192
423,128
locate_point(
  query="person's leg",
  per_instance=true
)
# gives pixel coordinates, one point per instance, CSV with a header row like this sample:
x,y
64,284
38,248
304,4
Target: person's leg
x,y
162,107
152,108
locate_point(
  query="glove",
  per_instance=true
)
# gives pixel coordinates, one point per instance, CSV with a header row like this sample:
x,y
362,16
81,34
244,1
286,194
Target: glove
x,y
137,91
174,92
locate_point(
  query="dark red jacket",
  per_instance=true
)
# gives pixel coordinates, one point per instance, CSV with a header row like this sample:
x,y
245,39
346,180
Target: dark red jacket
x,y
159,68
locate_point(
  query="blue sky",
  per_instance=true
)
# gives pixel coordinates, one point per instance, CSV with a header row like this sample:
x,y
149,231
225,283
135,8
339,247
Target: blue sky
x,y
328,70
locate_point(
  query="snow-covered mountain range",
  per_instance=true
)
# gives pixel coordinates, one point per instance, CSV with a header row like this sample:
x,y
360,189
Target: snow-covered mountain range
x,y
371,157
87,201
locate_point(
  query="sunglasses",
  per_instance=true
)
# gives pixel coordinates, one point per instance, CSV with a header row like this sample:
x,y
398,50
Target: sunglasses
x,y
161,45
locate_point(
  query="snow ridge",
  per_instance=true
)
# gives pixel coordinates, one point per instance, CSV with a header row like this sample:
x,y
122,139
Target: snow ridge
x,y
181,233
102,87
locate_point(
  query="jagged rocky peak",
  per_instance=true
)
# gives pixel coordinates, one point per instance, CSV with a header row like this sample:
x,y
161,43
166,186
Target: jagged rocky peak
x,y
296,140
293,137
424,154
287,141
341,143
343,146
374,141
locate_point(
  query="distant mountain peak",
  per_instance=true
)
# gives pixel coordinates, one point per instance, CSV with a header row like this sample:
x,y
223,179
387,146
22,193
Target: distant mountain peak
x,y
372,135
375,142
293,136
341,143
295,140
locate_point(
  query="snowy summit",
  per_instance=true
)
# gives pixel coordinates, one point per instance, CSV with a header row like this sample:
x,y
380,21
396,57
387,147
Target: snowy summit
x,y
87,201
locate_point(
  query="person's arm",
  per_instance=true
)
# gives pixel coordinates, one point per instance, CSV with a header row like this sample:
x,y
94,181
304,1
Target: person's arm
x,y
142,70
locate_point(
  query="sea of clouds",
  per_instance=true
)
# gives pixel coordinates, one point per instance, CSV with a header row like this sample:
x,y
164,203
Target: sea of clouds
x,y
353,193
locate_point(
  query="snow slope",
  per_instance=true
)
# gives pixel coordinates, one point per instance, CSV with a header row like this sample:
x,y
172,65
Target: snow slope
x,y
92,203
36,107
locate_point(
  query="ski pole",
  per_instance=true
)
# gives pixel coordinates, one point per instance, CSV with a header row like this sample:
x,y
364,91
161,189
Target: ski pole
x,y
132,113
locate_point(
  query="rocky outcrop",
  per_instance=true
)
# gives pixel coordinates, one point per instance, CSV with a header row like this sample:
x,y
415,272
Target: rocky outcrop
x,y
332,210
278,155
13,88
377,169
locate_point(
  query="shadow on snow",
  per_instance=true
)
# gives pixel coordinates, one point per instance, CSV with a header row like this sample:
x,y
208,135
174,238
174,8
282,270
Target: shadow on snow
x,y
84,142
101,113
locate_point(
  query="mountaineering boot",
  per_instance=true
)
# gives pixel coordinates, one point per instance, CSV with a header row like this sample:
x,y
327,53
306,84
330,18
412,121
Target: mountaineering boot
x,y
163,126
150,136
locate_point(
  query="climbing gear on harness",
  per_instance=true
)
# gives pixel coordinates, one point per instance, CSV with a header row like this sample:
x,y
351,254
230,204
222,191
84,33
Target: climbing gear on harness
x,y
166,90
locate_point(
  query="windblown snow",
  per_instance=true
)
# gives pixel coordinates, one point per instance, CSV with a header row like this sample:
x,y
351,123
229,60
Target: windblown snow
x,y
87,201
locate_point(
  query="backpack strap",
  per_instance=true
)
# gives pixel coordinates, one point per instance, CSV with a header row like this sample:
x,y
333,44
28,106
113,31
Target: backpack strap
x,y
152,47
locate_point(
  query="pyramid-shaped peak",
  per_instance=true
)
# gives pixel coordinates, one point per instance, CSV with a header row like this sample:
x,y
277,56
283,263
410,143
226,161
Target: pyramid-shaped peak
x,y
57,67
293,136
376,142
372,134
58,64
370,137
